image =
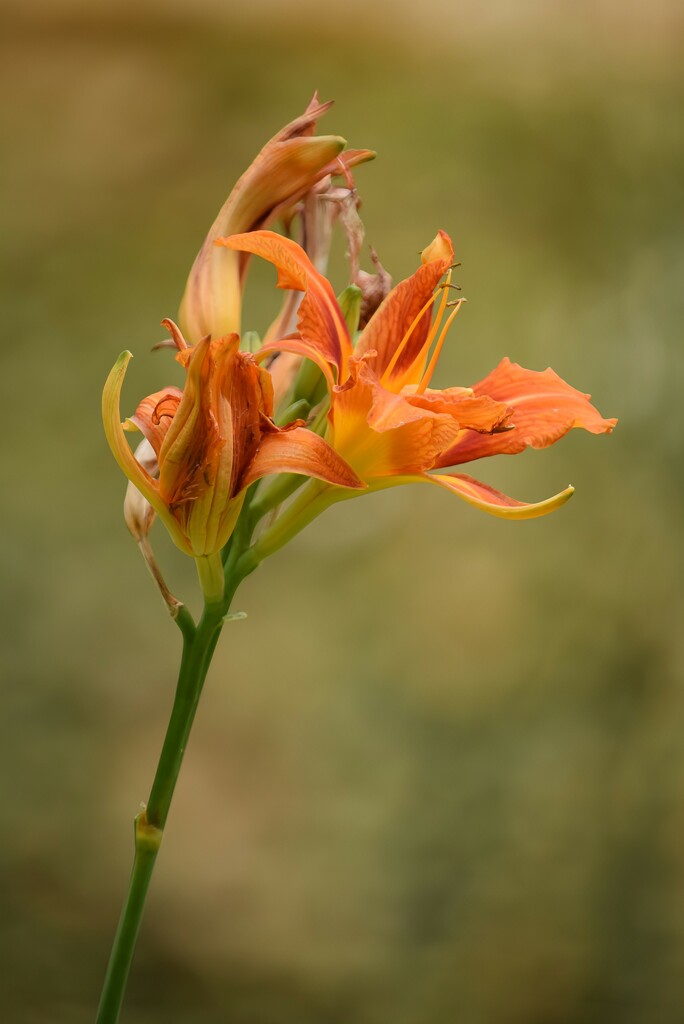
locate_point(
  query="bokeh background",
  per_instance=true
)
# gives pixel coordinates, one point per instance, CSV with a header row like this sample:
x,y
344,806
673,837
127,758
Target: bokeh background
x,y
438,773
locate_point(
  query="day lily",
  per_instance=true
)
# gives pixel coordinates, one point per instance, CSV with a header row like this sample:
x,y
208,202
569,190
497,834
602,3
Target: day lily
x,y
211,441
290,165
384,419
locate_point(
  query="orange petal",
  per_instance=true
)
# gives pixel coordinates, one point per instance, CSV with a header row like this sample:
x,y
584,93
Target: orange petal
x,y
121,451
213,437
490,500
300,451
186,439
297,347
395,315
321,323
381,433
544,408
154,414
473,412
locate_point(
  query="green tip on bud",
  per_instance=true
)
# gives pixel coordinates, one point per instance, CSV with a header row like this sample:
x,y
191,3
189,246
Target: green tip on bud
x,y
250,342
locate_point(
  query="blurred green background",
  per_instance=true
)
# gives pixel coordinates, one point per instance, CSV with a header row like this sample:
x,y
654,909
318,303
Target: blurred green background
x,y
438,773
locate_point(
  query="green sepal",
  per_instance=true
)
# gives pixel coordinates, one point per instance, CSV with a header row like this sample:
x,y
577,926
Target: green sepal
x,y
298,410
349,302
307,382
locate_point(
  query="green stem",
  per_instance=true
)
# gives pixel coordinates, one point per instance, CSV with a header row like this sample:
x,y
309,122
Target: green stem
x,y
193,671
198,647
126,935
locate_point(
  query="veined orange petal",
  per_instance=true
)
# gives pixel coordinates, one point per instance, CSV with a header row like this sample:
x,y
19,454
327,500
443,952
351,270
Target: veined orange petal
x,y
488,499
296,346
544,408
398,311
321,324
473,412
300,450
186,440
213,438
121,450
231,414
381,433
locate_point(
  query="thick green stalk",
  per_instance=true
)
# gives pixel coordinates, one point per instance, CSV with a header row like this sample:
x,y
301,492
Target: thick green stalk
x,y
198,647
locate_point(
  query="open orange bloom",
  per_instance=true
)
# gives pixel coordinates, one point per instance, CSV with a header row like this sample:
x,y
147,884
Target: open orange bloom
x,y
212,440
385,420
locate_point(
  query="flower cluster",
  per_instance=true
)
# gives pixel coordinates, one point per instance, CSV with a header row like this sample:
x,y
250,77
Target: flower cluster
x,y
349,409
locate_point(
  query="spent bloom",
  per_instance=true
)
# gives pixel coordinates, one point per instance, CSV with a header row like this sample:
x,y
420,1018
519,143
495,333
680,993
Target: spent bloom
x,y
211,441
292,164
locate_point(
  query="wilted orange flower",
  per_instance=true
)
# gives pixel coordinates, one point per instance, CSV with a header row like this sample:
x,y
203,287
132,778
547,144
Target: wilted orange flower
x,y
385,420
292,163
211,441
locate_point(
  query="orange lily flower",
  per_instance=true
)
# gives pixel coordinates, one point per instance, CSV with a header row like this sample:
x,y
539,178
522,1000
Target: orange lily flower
x,y
212,440
287,168
384,419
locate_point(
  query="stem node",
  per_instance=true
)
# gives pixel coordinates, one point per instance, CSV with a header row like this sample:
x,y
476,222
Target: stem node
x,y
147,837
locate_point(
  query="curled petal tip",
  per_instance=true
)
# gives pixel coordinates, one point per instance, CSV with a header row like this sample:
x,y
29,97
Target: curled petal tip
x,y
487,499
440,248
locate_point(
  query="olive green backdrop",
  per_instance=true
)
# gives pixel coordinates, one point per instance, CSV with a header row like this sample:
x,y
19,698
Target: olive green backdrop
x,y
438,773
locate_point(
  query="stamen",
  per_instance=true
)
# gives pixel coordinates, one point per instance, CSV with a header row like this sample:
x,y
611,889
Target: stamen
x,y
427,376
404,341
445,286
